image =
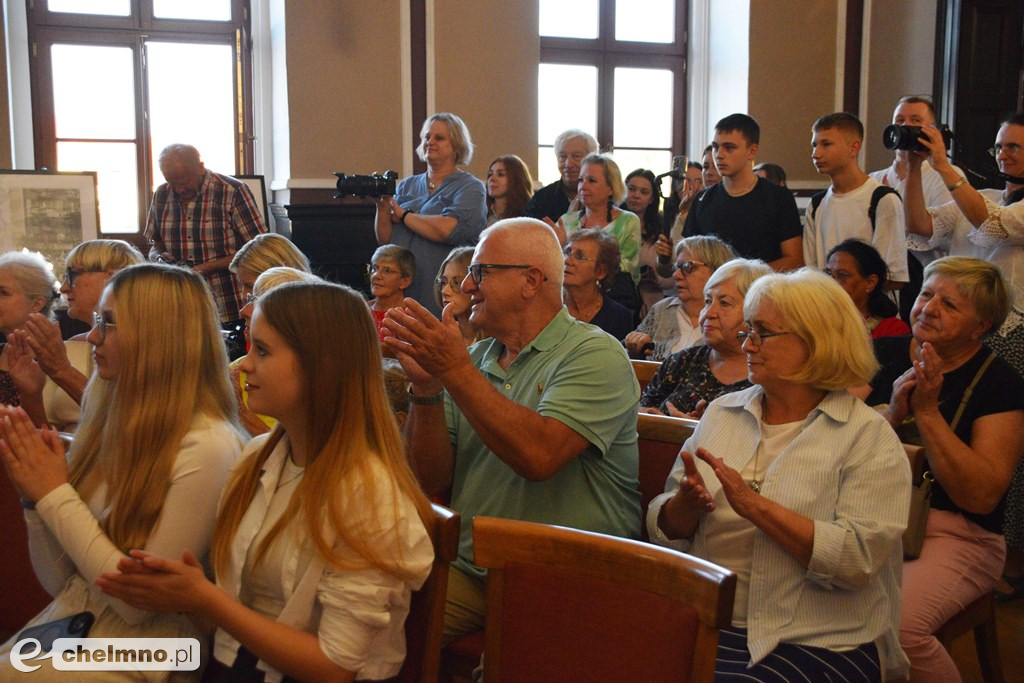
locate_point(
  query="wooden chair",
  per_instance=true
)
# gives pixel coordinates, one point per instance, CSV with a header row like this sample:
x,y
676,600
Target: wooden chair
x,y
660,438
425,622
644,370
564,604
979,616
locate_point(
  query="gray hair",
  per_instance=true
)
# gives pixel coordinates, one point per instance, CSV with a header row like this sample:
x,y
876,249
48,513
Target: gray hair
x,y
573,133
34,275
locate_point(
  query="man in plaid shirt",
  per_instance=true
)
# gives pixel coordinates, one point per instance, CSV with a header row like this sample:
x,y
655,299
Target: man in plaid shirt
x,y
202,217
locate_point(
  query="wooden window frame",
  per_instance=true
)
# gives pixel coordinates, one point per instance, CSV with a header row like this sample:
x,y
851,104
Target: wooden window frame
x,y
46,28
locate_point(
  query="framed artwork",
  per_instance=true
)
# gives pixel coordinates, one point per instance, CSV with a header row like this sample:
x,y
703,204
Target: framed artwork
x,y
259,190
47,212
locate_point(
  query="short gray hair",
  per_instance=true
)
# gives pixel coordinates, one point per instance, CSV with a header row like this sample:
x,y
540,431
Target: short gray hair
x,y
34,275
742,271
573,133
186,154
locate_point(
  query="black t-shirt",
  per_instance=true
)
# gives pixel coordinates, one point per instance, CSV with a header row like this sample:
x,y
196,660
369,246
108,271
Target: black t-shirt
x,y
754,224
550,201
999,390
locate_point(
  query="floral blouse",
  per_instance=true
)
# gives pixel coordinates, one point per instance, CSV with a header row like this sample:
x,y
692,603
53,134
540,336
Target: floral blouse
x,y
685,378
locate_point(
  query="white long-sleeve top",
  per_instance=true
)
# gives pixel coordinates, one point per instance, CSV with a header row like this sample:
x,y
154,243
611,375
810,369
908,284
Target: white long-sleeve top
x,y
358,616
65,537
846,471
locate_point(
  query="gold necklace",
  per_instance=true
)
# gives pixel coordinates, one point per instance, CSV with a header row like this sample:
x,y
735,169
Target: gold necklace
x,y
755,483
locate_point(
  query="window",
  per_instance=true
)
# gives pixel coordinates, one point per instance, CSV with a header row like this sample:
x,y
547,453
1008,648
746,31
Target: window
x,y
616,69
116,81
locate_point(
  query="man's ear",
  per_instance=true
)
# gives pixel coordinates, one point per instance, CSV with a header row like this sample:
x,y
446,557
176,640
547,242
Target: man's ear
x,y
534,281
752,151
855,146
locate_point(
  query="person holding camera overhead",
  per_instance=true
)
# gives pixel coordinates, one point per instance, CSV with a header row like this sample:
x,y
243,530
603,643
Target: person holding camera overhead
x,y
434,211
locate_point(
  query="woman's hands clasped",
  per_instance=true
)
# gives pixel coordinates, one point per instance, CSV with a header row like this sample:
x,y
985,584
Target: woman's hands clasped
x,y
34,459
158,584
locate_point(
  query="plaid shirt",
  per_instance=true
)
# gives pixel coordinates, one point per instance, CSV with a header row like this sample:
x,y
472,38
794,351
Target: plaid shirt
x,y
222,217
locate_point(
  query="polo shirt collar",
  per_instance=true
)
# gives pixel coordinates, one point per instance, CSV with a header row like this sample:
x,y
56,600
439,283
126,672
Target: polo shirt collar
x,y
553,333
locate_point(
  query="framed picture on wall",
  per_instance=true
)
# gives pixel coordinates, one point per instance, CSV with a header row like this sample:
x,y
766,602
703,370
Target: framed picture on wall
x,y
259,190
47,212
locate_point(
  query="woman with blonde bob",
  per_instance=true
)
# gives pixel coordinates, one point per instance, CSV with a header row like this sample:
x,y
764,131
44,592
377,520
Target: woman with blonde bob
x,y
264,252
68,364
802,490
320,537
153,450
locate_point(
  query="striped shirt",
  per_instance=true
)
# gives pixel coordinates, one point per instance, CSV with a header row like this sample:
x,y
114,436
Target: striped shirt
x,y
216,223
847,472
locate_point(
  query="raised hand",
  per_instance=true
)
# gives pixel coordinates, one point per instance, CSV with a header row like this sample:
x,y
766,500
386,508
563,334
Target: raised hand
x,y
34,459
737,491
435,346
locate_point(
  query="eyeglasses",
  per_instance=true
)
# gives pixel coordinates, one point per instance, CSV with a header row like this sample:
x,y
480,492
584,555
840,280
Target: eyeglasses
x,y
687,267
72,274
251,299
1013,149
100,323
373,269
455,283
757,338
476,270
577,255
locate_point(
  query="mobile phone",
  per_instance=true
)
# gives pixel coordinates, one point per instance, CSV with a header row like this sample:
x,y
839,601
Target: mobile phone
x,y
75,626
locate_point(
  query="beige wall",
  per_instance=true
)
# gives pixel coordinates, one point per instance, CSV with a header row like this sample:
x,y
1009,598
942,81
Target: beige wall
x,y
486,61
344,87
792,78
901,57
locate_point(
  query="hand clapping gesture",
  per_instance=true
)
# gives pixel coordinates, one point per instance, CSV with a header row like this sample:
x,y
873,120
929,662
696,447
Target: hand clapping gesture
x,y
34,459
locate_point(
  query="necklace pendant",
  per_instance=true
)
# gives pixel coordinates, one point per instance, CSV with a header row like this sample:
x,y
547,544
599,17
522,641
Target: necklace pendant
x,y
755,485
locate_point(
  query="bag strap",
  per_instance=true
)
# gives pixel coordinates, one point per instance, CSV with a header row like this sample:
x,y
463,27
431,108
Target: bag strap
x,y
876,196
970,389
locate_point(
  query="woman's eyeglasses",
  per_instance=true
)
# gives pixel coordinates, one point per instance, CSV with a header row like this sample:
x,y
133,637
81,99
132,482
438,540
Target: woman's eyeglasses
x,y
100,323
757,338
373,269
577,255
455,283
687,267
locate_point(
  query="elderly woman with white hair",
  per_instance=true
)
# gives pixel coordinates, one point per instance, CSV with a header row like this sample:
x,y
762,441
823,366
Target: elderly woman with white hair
x,y
68,364
27,286
435,211
673,324
690,379
802,490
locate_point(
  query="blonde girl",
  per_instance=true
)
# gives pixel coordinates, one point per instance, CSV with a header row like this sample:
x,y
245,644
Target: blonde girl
x,y
152,452
320,538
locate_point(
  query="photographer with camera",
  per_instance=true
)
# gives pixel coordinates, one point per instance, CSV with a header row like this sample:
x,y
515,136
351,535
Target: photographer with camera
x,y
915,110
434,211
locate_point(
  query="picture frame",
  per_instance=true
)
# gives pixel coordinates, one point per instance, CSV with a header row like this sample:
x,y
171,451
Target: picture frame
x,y
257,184
49,212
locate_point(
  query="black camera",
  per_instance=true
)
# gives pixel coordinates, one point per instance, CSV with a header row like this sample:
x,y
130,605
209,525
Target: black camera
x,y
373,185
907,137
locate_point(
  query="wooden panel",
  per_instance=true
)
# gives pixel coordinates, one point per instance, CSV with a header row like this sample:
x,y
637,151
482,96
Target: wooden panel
x,y
337,238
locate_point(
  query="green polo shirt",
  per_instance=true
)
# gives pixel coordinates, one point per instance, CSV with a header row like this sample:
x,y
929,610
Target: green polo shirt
x,y
580,376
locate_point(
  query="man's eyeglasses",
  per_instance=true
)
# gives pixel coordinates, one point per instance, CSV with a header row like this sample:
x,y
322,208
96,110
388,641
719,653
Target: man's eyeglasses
x,y
687,267
577,255
757,338
476,270
1013,149
100,323
373,269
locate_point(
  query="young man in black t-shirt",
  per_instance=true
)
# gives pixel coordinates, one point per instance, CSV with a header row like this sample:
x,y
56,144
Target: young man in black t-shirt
x,y
757,218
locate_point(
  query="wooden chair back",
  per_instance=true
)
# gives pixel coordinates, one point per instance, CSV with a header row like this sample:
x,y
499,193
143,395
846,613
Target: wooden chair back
x,y
659,441
564,604
644,370
425,623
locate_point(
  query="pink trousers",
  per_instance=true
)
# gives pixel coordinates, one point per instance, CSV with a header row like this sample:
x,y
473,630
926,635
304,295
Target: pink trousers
x,y
959,562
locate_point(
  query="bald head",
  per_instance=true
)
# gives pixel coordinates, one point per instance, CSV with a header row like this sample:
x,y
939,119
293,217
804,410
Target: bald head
x,y
182,169
529,241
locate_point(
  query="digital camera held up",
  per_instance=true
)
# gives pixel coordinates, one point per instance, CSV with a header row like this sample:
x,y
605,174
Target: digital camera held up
x,y
373,185
898,136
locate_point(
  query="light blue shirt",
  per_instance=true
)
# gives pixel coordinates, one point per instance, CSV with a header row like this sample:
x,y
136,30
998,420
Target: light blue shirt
x,y
459,196
846,471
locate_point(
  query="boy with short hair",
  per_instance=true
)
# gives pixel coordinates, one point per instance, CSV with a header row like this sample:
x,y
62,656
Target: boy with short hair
x,y
755,217
853,206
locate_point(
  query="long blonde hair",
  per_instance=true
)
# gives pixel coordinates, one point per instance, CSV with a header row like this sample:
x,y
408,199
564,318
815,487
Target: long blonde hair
x,y
173,367
351,432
